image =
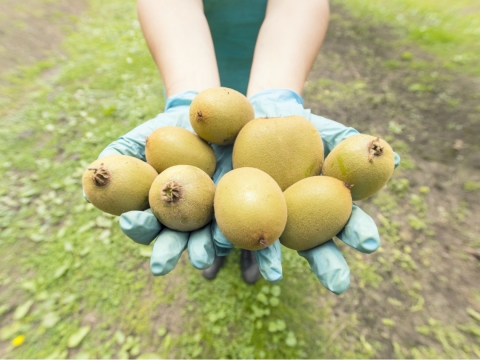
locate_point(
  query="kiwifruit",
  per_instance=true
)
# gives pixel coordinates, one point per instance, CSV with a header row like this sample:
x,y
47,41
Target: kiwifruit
x,y
363,161
318,208
250,208
181,198
218,114
118,183
171,145
287,148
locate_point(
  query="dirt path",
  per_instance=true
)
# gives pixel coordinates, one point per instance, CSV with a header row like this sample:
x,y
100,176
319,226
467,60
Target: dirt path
x,y
32,30
428,273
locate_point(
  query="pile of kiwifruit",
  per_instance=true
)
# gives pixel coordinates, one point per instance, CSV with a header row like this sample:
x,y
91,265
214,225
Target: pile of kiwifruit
x,y
281,187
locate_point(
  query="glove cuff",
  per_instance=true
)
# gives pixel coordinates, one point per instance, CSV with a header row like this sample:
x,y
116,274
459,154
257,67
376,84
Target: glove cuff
x,y
278,102
277,96
181,99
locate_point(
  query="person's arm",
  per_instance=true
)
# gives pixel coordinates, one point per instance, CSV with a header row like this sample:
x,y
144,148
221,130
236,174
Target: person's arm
x,y
180,42
288,43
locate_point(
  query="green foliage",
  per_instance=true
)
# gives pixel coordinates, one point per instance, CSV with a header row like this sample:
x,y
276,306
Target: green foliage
x,y
329,92
471,186
451,339
263,320
447,29
399,187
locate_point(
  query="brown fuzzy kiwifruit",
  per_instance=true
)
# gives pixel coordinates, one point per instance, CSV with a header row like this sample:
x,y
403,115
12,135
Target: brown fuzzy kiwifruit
x,y
218,114
250,209
181,198
288,148
118,183
318,208
172,145
363,161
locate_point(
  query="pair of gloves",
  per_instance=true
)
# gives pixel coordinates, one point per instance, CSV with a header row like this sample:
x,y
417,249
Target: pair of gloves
x,y
325,260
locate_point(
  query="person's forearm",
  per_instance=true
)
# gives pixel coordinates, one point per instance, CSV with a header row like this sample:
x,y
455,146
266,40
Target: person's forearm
x,y
179,40
288,43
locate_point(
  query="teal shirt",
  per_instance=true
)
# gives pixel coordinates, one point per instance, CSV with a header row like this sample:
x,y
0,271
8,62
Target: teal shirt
x,y
234,25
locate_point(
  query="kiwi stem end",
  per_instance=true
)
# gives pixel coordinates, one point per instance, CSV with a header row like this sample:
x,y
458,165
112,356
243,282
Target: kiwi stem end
x,y
374,149
348,185
101,176
199,116
262,240
172,192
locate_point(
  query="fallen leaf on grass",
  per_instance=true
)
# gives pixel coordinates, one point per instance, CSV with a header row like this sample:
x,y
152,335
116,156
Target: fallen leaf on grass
x,y
162,331
58,354
3,309
473,314
22,310
388,322
8,331
76,338
50,320
60,271
119,337
145,252
291,339
149,356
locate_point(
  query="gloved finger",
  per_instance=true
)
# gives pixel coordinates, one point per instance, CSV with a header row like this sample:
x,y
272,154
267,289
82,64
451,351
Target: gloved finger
x,y
133,142
176,114
278,102
167,249
140,226
329,265
361,232
332,132
223,247
270,262
200,248
111,151
223,156
397,159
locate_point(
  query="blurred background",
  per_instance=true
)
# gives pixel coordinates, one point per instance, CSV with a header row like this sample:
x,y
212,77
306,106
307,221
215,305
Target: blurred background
x,y
77,74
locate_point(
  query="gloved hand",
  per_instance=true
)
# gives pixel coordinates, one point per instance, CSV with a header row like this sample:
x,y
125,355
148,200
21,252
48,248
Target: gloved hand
x,y
142,226
360,232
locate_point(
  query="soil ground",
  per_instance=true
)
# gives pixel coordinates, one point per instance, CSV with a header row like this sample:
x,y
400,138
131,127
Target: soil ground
x,y
33,30
368,78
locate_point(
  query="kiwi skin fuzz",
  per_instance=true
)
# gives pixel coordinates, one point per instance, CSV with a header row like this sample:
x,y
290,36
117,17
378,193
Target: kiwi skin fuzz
x,y
181,198
318,209
250,208
172,145
288,148
218,114
116,184
365,162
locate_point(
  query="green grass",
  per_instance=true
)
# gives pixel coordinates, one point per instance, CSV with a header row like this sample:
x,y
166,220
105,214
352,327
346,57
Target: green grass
x,y
448,29
72,285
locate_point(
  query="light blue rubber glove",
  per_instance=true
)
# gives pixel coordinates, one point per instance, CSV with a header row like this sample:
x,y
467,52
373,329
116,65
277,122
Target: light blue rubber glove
x,y
142,226
360,232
